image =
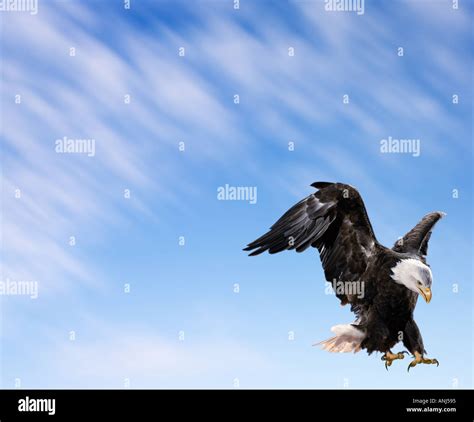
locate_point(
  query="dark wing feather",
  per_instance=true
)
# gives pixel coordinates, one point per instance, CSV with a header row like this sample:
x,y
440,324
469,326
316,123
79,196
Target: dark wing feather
x,y
416,240
335,221
297,228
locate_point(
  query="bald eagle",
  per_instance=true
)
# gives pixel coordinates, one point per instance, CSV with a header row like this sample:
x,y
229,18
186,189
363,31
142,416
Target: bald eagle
x,y
334,220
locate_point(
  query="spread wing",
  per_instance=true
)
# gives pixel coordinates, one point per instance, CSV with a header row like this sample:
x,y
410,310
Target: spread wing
x,y
334,221
416,240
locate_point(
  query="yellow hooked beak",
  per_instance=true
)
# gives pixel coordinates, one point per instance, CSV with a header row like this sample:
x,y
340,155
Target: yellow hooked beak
x,y
426,293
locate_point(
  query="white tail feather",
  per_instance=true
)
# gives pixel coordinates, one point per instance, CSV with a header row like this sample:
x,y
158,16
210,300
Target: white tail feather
x,y
347,339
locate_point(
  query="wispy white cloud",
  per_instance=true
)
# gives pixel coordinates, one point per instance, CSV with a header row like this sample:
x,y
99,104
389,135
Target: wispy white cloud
x,y
113,355
61,194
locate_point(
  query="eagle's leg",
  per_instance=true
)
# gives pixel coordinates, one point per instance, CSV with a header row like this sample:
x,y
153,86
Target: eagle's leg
x,y
419,358
414,343
389,357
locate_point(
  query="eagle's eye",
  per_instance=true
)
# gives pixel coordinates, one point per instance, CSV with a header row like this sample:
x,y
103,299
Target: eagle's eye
x,y
419,283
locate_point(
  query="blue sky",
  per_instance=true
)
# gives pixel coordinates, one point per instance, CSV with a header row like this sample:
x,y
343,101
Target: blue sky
x,y
230,339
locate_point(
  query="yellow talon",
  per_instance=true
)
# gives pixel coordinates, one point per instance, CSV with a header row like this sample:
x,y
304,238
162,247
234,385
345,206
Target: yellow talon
x,y
420,359
389,357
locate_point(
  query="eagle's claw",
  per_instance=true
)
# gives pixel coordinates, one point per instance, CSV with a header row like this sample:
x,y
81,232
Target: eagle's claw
x,y
389,357
420,359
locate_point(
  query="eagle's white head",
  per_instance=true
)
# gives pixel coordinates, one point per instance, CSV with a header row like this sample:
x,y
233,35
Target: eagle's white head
x,y
414,275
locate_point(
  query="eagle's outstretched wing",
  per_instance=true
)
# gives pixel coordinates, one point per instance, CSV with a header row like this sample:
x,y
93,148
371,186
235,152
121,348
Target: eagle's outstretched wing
x,y
416,240
333,220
